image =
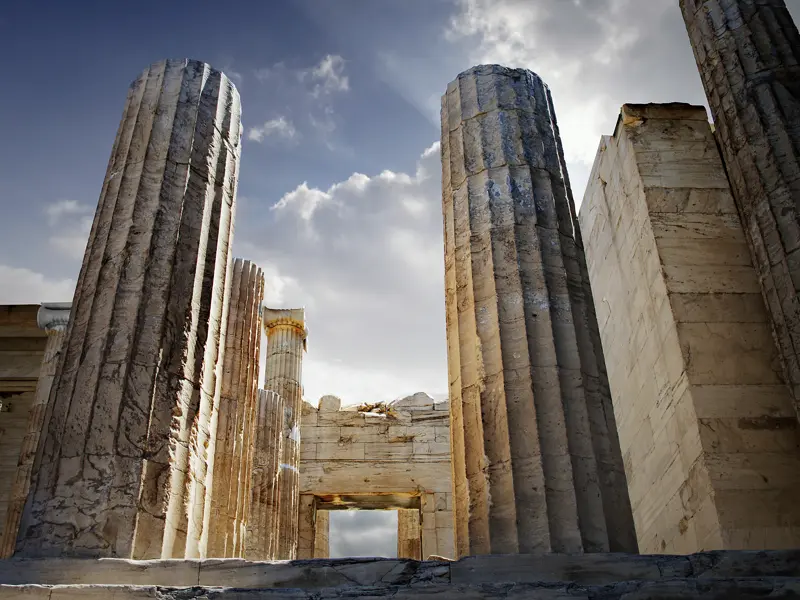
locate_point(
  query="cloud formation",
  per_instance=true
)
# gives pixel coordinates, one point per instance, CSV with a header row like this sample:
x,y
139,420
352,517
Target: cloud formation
x,y
363,533
328,76
364,256
310,92
594,54
280,127
24,286
69,223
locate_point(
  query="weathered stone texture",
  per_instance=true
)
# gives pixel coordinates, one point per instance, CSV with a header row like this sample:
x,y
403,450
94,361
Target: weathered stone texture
x,y
531,410
53,319
748,54
261,538
236,413
397,457
121,463
286,341
23,345
409,537
706,425
719,576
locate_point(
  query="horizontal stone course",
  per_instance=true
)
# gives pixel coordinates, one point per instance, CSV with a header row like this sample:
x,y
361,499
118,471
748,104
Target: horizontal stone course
x,y
588,569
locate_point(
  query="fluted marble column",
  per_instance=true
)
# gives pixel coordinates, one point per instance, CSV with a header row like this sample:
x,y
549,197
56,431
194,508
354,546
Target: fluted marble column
x,y
537,464
261,536
133,391
286,342
53,318
748,54
233,416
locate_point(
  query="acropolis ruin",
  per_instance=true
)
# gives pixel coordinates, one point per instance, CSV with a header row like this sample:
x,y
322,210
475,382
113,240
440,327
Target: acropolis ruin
x,y
624,380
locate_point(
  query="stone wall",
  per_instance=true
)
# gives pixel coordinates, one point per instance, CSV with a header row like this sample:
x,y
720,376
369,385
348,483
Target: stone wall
x,y
397,457
706,424
22,345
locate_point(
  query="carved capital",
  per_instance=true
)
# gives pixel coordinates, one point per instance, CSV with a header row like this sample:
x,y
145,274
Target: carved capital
x,y
53,316
293,318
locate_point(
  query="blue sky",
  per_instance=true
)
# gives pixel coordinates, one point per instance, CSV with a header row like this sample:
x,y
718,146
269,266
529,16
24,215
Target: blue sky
x,y
339,194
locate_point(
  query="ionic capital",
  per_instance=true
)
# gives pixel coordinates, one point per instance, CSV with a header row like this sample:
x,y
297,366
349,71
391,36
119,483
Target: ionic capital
x,y
53,316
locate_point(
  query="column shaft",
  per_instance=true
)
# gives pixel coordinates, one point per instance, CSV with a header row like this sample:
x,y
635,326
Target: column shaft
x,y
531,411
286,342
748,54
240,369
53,319
261,515
115,458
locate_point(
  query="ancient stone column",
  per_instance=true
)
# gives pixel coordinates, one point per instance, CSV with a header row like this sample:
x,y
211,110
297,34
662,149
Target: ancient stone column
x,y
233,416
133,392
260,537
409,536
748,53
537,464
53,318
248,445
286,342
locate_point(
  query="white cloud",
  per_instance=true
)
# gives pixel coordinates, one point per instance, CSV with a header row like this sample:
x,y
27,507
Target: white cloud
x,y
69,222
312,91
64,208
280,127
365,259
328,76
363,533
594,54
24,286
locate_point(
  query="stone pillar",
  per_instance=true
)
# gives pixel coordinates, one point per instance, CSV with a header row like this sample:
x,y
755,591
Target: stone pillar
x,y
133,392
322,534
286,342
748,54
706,426
531,411
409,536
306,536
233,416
250,423
53,318
260,536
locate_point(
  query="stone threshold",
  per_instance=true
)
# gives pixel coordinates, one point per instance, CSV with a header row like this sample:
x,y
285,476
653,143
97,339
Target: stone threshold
x,y
675,589
542,571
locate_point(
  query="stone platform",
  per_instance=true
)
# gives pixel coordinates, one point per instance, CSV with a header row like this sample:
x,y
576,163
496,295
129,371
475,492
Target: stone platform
x,y
716,575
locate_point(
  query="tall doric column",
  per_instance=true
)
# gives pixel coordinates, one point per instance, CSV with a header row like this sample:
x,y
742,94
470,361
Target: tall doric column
x,y
133,393
261,538
748,53
537,464
53,318
286,342
232,417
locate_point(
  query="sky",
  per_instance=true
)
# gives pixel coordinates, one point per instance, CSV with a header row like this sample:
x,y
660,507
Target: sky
x,y
339,193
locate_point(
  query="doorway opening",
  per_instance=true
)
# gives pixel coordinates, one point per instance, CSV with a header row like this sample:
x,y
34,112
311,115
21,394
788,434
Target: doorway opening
x,y
355,533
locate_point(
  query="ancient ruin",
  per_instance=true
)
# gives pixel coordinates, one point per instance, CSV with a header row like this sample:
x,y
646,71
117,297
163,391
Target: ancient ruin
x,y
531,410
622,381
385,457
748,54
706,425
